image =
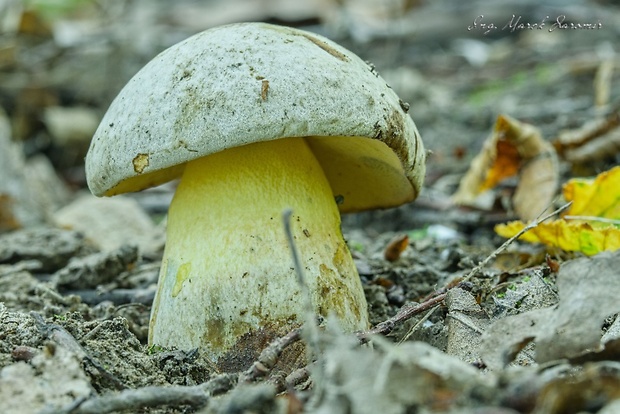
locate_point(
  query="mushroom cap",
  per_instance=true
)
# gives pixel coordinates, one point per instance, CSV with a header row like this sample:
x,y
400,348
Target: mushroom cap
x,y
251,82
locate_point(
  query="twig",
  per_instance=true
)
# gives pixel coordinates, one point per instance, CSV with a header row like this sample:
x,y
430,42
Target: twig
x,y
310,322
508,242
297,377
151,396
196,396
406,312
593,218
269,356
310,326
63,338
418,324
455,282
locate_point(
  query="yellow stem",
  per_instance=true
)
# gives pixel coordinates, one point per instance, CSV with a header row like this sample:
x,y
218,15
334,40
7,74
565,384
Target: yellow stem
x,y
227,273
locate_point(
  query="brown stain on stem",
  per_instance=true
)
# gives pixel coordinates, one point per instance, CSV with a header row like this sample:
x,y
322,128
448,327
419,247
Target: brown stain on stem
x,y
250,345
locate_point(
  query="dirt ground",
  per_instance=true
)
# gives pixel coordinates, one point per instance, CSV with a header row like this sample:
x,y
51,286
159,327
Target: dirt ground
x,y
532,330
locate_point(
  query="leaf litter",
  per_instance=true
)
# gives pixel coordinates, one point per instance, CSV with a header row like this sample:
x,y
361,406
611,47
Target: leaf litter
x,y
411,375
587,290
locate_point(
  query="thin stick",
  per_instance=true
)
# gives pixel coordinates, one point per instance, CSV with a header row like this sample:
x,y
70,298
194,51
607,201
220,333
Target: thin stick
x,y
593,218
297,377
63,338
404,313
417,325
310,326
504,246
195,396
310,323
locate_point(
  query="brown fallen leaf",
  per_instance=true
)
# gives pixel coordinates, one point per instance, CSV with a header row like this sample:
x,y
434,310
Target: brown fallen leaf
x,y
599,149
596,140
595,385
609,351
396,247
591,130
514,148
553,265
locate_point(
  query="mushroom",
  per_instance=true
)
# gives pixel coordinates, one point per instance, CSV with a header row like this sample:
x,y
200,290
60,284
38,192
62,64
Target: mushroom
x,y
256,118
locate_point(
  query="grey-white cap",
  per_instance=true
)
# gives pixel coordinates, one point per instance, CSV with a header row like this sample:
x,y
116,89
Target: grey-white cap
x,y
252,82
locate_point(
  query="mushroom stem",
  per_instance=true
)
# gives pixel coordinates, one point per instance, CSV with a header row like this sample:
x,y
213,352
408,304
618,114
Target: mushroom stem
x,y
227,282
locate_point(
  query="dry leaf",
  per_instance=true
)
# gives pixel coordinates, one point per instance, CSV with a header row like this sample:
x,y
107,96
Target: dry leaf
x,y
599,149
597,385
396,247
588,132
393,379
553,265
596,140
514,148
588,294
586,226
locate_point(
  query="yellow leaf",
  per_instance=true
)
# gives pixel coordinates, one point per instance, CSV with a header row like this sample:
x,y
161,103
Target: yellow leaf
x,y
598,197
581,228
567,235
